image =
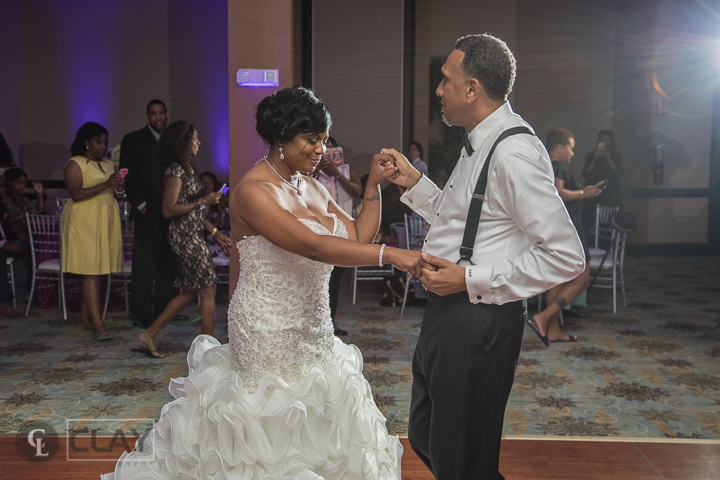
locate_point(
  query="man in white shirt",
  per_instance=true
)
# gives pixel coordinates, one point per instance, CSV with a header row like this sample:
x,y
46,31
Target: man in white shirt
x,y
524,244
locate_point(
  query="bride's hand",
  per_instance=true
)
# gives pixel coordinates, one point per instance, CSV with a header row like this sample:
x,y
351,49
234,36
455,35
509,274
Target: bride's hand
x,y
410,261
407,176
381,169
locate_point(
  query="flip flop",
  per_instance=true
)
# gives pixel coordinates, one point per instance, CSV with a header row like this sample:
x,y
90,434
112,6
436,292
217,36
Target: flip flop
x,y
194,321
571,338
148,352
102,336
536,329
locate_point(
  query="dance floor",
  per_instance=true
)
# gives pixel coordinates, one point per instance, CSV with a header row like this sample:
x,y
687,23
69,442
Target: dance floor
x,y
640,376
519,460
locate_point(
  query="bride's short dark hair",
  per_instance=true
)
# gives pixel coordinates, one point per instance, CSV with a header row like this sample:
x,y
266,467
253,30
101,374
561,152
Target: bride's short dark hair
x,y
290,112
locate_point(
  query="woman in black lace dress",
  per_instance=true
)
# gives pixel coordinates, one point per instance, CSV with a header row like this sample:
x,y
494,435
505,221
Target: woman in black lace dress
x,y
185,202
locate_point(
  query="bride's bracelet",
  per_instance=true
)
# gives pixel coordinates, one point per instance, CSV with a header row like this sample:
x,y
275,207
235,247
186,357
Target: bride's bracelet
x,y
380,259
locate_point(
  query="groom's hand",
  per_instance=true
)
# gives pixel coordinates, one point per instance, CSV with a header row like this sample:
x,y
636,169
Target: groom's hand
x,y
448,278
410,261
407,176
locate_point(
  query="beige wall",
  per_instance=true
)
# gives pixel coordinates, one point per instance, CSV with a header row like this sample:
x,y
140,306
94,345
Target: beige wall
x,y
565,58
357,64
259,36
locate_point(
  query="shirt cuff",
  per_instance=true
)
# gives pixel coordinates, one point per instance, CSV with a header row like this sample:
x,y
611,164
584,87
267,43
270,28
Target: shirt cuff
x,y
477,281
142,205
420,193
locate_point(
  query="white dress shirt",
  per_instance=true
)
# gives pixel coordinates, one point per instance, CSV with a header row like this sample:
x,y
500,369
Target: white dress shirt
x,y
526,242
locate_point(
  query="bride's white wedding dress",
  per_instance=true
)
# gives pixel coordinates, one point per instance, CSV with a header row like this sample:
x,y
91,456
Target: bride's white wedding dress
x,y
285,399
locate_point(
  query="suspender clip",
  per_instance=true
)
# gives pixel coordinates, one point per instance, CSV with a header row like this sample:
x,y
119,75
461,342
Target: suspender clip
x,y
479,197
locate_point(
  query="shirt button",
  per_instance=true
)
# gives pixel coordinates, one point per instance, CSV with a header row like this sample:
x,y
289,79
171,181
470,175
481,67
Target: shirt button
x,y
479,297
425,241
437,214
450,186
410,200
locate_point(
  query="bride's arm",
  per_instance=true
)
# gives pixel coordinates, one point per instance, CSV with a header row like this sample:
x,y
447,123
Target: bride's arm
x,y
260,206
367,223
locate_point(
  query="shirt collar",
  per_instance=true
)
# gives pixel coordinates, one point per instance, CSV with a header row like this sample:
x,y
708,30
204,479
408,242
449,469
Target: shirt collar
x,y
484,128
155,134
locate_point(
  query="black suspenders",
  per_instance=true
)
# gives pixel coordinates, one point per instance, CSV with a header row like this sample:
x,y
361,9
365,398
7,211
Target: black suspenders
x,y
476,203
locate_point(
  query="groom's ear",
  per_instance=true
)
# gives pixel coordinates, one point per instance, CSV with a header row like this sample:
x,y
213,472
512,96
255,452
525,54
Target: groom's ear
x,y
474,89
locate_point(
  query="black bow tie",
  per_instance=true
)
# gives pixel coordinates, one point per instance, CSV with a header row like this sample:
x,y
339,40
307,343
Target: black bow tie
x,y
466,142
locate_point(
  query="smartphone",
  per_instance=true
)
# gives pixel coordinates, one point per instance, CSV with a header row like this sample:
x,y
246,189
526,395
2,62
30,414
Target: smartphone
x,y
123,172
601,146
222,188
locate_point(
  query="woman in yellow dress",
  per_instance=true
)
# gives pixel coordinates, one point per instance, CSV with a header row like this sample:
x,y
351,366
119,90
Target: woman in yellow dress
x,y
90,224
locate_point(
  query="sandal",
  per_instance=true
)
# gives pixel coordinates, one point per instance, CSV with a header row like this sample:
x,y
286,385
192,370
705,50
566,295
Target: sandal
x,y
151,349
148,352
536,329
102,336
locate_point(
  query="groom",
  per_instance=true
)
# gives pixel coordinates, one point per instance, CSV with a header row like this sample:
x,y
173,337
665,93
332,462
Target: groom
x,y
522,244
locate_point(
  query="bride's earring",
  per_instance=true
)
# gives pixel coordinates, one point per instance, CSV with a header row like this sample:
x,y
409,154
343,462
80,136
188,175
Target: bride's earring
x,y
282,157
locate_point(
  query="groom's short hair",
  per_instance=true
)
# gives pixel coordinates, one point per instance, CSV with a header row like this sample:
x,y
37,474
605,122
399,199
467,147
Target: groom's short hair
x,y
489,60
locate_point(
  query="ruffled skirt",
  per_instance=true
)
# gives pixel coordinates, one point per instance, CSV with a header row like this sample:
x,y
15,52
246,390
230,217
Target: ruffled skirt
x,y
324,426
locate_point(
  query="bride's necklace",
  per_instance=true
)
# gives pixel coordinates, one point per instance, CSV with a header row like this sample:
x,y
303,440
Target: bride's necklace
x,y
295,178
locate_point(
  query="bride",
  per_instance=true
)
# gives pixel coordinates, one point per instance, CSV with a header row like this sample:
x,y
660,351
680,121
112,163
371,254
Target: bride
x,y
285,399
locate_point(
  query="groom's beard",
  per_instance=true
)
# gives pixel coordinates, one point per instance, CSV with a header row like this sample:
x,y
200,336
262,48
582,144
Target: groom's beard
x,y
445,119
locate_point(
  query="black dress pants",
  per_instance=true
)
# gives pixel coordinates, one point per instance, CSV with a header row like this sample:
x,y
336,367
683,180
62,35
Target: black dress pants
x,y
463,370
334,289
153,263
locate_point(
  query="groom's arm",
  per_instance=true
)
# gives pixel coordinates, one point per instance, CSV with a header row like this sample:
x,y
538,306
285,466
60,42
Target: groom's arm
x,y
422,197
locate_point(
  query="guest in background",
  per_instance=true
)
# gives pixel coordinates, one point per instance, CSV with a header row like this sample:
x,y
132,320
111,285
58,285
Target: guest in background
x,y
90,222
560,144
415,154
154,263
9,245
4,198
216,214
183,202
6,156
343,183
603,164
17,206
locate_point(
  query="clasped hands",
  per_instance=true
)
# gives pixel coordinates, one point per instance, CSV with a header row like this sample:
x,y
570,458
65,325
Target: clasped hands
x,y
437,275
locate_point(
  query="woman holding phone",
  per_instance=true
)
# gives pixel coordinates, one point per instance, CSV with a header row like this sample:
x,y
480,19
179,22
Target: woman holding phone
x,y
90,222
185,203
603,164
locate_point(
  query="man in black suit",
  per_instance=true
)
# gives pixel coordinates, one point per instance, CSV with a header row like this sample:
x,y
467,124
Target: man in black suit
x,y
153,260
9,244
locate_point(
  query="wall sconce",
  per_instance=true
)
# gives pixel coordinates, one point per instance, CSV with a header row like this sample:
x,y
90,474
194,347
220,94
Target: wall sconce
x,y
253,77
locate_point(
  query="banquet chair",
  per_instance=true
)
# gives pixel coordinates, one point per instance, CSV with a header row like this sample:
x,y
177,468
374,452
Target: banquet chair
x,y
604,232
128,231
609,270
415,231
11,277
44,236
60,202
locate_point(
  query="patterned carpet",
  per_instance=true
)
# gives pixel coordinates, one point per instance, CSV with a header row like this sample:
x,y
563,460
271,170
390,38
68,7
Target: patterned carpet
x,y
642,373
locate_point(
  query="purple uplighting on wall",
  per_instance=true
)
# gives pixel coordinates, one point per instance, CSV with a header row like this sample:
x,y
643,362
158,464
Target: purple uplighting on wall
x,y
87,54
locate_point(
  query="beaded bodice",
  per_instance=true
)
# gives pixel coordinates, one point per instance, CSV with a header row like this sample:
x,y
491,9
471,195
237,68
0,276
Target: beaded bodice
x,y
279,316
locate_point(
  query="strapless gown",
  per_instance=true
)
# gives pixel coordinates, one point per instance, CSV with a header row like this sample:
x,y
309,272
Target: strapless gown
x,y
284,399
